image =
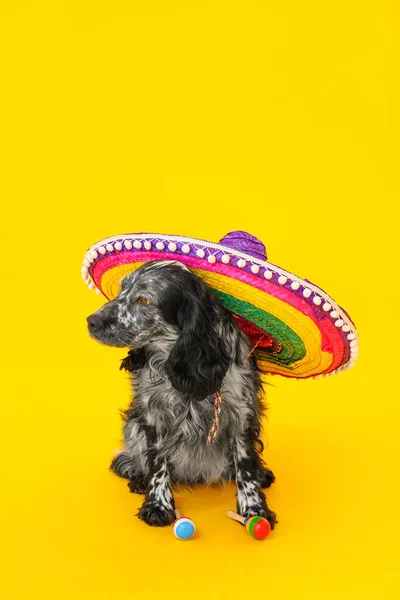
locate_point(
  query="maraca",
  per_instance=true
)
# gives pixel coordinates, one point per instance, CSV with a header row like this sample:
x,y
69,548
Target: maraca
x,y
258,527
184,528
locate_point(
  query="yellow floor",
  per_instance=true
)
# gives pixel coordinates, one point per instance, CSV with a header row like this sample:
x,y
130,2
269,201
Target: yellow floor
x,y
171,117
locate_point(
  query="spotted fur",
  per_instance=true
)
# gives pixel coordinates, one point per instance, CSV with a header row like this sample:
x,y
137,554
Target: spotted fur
x,y
184,346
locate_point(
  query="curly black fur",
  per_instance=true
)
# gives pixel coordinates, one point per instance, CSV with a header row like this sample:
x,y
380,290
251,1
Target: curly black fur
x,y
184,347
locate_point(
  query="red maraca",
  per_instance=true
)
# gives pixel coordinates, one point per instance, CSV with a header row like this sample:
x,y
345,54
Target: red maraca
x,y
258,527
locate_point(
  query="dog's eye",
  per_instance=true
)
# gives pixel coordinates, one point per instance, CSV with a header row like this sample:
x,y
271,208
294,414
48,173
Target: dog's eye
x,y
143,300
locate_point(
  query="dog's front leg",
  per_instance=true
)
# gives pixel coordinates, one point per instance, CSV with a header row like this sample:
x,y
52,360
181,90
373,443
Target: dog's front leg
x,y
251,500
158,508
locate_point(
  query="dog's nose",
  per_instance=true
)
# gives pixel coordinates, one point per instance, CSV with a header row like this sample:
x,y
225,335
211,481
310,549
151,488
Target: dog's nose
x,y
94,321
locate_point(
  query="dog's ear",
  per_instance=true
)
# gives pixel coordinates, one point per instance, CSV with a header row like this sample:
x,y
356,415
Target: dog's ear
x,y
134,361
199,359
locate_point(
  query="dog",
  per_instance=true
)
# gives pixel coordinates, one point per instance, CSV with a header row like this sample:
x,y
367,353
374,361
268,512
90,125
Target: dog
x,y
185,347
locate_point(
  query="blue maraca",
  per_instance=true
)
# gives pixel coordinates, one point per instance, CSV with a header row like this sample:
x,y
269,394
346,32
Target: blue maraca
x,y
184,528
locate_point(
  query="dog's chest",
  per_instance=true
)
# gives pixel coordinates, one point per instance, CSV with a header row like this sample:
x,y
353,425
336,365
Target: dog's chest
x,y
182,425
174,415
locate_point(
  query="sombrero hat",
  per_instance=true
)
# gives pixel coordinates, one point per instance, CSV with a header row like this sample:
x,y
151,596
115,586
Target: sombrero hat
x,y
296,328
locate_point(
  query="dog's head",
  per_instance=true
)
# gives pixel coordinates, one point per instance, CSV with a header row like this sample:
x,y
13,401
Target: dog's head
x,y
163,297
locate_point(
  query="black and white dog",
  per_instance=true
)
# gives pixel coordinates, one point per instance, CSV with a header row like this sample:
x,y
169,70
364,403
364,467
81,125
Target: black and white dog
x,y
185,346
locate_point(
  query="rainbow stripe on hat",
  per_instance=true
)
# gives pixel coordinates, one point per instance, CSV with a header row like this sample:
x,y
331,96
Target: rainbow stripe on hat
x,y
298,330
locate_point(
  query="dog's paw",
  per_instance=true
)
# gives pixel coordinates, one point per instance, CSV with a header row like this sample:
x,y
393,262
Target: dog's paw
x,y
156,516
262,512
267,478
121,465
137,485
271,518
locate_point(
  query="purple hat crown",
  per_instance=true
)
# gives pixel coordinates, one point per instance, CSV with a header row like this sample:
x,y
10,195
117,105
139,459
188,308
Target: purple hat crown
x,y
246,243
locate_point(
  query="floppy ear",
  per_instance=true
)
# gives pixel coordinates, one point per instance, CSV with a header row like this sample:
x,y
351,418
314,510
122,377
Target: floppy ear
x,y
199,359
134,361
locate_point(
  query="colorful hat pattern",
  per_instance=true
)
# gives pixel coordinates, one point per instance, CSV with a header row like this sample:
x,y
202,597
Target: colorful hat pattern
x,y
297,329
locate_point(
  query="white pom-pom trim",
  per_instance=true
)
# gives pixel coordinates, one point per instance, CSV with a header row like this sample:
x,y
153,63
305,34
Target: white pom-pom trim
x,y
160,246
172,247
211,259
268,274
306,293
241,263
225,259
186,248
200,253
339,322
317,300
255,269
295,285
326,306
147,245
102,250
128,244
110,248
334,314
118,246
137,244
282,280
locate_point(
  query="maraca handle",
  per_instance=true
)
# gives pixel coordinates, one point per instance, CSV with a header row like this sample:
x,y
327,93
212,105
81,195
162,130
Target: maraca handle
x,y
236,517
178,513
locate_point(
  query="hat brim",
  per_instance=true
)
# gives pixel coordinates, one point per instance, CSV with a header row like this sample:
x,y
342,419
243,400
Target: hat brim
x,y
312,334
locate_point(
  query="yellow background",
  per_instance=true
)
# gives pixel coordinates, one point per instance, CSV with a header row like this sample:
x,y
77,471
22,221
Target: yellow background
x,y
197,118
